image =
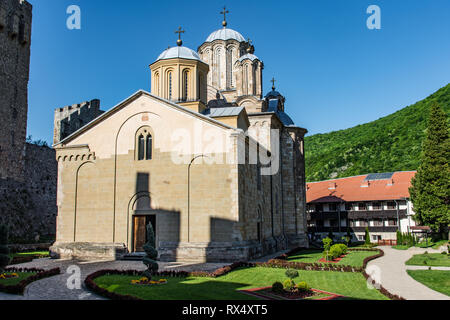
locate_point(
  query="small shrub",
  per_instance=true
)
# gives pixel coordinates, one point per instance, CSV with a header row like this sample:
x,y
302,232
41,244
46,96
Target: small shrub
x,y
291,273
303,286
288,284
277,287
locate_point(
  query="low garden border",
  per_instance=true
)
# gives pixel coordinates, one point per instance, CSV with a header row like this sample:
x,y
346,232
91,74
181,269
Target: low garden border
x,y
20,287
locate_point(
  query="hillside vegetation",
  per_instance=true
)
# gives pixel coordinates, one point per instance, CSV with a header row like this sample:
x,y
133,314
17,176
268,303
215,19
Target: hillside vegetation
x,y
392,143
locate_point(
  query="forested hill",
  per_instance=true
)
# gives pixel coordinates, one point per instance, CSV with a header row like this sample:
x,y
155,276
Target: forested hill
x,y
392,143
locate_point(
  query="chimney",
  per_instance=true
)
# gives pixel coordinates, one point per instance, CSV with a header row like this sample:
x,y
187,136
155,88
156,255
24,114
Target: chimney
x,y
332,186
390,182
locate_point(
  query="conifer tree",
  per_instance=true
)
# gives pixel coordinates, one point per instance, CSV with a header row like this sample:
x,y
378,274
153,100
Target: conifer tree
x,y
367,236
430,190
151,253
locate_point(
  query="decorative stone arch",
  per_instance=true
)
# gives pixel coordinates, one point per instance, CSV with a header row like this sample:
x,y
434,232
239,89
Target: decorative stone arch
x,y
141,203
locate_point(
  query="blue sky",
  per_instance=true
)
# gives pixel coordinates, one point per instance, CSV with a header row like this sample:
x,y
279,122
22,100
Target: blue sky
x,y
333,70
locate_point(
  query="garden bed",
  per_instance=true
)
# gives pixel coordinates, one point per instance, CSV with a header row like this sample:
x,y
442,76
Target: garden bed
x,y
116,285
17,285
267,294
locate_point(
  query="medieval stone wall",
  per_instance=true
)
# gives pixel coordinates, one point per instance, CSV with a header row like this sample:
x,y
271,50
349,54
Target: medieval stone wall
x,y
15,38
29,208
71,118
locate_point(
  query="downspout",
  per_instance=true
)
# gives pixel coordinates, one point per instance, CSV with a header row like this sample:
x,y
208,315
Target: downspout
x,y
398,219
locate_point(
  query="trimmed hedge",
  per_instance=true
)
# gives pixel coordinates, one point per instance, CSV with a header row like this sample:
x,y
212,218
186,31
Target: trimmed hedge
x,y
20,287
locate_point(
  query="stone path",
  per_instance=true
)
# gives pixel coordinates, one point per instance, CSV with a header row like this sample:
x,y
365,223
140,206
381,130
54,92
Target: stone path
x,y
56,288
390,271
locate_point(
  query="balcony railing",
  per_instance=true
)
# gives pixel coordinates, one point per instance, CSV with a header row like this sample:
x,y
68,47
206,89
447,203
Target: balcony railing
x,y
354,229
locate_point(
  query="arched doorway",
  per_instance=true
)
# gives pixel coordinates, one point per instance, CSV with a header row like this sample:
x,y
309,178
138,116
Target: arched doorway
x,y
141,213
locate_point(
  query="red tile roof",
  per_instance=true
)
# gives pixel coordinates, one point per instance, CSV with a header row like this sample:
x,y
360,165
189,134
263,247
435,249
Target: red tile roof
x,y
358,189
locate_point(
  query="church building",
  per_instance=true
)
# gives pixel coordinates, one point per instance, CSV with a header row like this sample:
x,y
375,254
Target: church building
x,y
214,165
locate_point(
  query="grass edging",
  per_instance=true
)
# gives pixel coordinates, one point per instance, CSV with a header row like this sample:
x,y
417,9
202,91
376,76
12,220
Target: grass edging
x,y
20,287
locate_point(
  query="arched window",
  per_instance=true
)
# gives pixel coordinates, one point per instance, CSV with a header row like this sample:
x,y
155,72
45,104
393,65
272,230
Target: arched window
x,y
229,68
148,147
156,78
246,79
141,147
218,62
169,84
185,85
144,144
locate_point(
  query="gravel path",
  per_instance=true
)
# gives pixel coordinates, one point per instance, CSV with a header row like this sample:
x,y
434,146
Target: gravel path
x,y
57,288
390,271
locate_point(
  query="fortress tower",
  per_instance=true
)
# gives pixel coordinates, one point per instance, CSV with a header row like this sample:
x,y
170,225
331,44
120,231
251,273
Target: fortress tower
x,y
15,38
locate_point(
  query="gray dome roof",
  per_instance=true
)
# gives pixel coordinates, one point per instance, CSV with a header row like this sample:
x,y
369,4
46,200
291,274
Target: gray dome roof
x,y
273,94
285,119
179,52
225,34
250,56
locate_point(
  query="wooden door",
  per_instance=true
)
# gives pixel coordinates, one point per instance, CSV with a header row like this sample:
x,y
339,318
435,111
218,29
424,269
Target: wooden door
x,y
139,233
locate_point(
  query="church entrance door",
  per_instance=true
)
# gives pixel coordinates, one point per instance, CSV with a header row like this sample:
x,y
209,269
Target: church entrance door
x,y
140,231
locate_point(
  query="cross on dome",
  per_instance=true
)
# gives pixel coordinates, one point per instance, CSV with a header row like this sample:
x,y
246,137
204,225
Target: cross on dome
x,y
224,12
179,41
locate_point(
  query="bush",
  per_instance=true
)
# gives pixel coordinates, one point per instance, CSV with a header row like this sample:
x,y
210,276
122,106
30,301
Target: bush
x,y
291,273
288,284
277,287
303,286
335,252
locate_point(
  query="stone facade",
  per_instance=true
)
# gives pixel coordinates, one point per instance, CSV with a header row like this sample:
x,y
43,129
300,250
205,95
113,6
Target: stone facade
x,y
125,165
15,38
27,172
71,118
29,207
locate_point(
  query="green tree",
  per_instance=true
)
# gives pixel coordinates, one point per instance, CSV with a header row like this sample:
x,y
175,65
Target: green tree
x,y
430,190
4,250
151,254
367,236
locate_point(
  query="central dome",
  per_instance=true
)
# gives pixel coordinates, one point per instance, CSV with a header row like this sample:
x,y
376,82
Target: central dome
x,y
225,34
179,52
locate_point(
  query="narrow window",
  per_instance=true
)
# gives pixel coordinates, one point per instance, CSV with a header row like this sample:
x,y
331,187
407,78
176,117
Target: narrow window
x,y
185,85
148,148
141,148
170,86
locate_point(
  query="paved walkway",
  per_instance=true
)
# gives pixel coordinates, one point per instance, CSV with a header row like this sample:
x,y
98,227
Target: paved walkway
x,y
390,270
56,288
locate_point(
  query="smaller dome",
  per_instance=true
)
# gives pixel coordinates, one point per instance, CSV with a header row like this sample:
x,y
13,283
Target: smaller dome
x,y
225,34
179,52
250,56
273,94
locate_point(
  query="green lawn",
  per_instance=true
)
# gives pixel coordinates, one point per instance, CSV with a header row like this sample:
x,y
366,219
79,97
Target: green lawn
x,y
352,285
34,253
434,279
429,259
14,281
353,258
401,247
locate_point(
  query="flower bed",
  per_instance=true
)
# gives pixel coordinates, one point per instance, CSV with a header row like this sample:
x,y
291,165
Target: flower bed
x,y
8,276
268,294
20,287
